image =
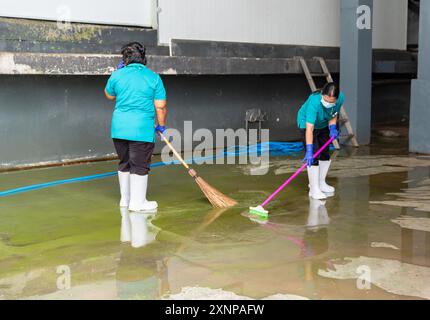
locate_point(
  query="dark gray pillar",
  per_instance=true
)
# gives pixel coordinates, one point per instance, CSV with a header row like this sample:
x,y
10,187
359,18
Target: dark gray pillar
x,y
356,67
419,131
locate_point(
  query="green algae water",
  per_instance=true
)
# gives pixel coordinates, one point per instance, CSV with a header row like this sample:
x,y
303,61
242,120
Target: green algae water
x,y
72,241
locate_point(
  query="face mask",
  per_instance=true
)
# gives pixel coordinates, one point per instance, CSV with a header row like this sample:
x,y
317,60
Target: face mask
x,y
327,104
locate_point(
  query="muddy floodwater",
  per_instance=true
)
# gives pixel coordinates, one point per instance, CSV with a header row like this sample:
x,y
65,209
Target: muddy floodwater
x,y
370,241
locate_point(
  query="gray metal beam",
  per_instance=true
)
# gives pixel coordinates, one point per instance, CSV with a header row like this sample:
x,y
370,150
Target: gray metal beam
x,y
356,68
222,49
419,133
96,64
104,64
424,45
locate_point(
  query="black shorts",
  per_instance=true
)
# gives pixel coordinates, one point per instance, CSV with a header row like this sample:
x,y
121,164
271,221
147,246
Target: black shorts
x,y
321,136
134,156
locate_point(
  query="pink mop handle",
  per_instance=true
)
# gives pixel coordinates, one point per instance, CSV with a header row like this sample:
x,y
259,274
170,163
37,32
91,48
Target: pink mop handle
x,y
286,183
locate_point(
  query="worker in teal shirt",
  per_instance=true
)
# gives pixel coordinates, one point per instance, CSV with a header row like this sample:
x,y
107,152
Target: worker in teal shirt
x,y
140,100
317,121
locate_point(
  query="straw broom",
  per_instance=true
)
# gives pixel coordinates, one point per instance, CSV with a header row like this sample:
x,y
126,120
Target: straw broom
x,y
215,197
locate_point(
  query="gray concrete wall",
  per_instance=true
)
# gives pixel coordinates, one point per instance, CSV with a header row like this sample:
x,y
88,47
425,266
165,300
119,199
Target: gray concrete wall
x,y
52,119
391,103
58,118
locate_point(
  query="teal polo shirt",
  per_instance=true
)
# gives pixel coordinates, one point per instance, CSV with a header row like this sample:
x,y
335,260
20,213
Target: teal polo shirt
x,y
313,111
135,88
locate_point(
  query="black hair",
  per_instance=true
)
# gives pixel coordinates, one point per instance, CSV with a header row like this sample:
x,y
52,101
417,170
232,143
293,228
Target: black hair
x,y
133,52
331,90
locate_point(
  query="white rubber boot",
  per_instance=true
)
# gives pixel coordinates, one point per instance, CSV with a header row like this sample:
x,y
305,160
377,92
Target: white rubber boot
x,y
314,185
124,186
125,225
324,167
138,187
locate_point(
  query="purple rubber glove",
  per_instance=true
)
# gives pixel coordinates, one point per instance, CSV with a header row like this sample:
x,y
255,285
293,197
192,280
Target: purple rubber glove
x,y
309,157
121,65
160,129
333,131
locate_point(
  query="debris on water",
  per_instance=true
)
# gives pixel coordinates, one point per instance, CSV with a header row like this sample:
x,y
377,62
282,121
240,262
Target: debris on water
x,y
359,166
416,197
420,224
200,293
383,245
285,297
390,275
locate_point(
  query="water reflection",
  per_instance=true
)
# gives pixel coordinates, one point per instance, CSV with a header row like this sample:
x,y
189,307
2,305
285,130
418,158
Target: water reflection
x,y
306,248
142,269
415,246
318,215
144,266
137,228
316,235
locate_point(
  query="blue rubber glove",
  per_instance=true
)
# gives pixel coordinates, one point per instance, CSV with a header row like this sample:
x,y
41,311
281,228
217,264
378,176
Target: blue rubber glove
x,y
121,65
160,129
309,157
333,131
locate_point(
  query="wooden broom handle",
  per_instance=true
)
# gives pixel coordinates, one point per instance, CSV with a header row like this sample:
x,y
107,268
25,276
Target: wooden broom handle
x,y
174,151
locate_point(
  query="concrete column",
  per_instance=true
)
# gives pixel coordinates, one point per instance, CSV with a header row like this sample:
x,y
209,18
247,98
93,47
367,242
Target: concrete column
x,y
419,133
356,67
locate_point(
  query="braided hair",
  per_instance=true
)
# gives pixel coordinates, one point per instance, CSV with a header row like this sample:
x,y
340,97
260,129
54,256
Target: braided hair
x,y
133,52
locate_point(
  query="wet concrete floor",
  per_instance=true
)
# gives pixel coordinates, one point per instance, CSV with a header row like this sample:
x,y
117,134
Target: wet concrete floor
x,y
370,241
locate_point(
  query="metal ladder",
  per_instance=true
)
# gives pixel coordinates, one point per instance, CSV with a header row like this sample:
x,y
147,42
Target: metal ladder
x,y
343,116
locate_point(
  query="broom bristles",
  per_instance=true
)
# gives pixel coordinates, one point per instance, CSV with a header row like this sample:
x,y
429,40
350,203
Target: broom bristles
x,y
215,197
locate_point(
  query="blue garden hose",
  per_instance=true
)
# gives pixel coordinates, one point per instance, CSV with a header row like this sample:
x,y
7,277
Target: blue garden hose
x,y
274,148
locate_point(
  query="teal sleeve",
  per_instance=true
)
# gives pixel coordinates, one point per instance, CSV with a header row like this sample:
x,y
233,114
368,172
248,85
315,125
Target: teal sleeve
x,y
311,114
110,86
160,92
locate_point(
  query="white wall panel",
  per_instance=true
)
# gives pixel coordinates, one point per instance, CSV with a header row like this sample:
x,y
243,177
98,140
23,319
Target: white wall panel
x,y
308,22
136,12
390,24
302,22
